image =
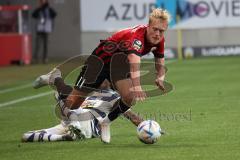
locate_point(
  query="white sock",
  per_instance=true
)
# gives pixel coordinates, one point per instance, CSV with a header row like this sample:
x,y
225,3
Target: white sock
x,y
106,120
41,137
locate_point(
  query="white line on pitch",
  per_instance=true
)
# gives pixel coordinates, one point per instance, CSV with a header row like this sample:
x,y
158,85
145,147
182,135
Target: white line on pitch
x,y
25,99
15,88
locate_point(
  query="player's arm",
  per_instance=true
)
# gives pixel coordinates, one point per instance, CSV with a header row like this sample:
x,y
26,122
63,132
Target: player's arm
x,y
160,75
135,61
159,65
133,117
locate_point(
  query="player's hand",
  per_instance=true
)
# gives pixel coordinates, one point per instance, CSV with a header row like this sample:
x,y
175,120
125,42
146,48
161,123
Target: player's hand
x,y
139,94
160,84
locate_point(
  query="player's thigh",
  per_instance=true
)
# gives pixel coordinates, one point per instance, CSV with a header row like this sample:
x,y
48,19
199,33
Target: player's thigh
x,y
91,73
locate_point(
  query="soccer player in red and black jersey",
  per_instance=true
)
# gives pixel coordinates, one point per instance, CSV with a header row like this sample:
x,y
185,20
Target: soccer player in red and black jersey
x,y
117,59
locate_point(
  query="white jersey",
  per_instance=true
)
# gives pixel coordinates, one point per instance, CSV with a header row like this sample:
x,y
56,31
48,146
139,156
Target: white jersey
x,y
93,108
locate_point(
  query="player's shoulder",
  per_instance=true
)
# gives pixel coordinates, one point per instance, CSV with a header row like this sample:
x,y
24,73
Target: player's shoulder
x,y
129,33
135,30
139,30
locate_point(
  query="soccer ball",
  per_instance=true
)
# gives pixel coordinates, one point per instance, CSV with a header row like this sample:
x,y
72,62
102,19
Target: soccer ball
x,y
148,131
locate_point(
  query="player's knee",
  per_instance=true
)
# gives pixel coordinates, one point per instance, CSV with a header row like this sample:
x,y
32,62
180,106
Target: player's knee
x,y
73,101
128,99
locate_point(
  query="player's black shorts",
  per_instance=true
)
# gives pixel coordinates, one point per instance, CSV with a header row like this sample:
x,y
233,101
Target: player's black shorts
x,y
96,71
95,79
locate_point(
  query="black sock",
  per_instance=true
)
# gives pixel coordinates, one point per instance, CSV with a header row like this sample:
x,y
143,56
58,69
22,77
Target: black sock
x,y
63,89
118,108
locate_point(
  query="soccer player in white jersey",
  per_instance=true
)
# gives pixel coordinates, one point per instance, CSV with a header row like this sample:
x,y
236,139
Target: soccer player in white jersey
x,y
95,107
91,110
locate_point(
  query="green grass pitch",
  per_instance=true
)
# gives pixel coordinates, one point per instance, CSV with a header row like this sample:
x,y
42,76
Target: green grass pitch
x,y
201,116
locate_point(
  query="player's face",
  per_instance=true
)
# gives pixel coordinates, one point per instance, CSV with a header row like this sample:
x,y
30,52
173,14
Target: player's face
x,y
156,30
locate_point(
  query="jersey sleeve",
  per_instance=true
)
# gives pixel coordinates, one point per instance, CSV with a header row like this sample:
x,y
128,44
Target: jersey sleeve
x,y
159,51
130,40
135,46
136,41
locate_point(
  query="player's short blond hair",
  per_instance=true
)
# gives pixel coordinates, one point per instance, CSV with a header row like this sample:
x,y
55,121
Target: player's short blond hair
x,y
160,13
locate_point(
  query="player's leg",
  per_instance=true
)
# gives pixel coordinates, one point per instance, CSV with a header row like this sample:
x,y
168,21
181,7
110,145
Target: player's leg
x,y
90,117
74,101
90,78
69,116
47,79
120,106
126,100
62,88
56,133
120,69
86,118
63,91
54,78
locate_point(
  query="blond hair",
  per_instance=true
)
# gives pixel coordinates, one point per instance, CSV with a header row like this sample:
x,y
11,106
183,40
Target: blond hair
x,y
159,13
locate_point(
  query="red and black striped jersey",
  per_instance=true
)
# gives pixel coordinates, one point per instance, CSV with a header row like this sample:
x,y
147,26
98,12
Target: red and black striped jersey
x,y
129,40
